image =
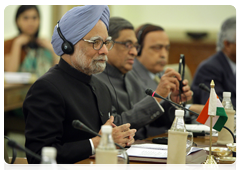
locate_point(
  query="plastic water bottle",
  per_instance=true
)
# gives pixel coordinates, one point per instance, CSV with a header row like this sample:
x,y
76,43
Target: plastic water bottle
x,y
227,103
49,155
106,152
178,123
179,141
224,137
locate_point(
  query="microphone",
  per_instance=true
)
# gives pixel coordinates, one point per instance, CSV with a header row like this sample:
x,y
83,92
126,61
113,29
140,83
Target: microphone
x,y
14,144
152,93
205,88
81,126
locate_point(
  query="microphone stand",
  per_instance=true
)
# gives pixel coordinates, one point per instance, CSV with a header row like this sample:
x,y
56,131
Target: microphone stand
x,y
152,93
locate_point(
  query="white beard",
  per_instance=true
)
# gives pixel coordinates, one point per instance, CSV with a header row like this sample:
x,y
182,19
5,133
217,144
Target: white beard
x,y
93,67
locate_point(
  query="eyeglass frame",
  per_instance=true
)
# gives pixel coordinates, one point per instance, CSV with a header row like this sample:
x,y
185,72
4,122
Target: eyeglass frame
x,y
160,47
93,42
125,43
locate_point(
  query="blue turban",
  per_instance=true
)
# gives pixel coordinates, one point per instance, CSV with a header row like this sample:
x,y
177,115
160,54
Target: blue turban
x,y
78,22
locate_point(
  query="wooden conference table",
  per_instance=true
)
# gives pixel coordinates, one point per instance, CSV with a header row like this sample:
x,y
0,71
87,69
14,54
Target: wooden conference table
x,y
193,158
14,95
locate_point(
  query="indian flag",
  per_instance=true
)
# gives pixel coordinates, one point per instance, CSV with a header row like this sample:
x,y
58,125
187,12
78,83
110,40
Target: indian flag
x,y
215,108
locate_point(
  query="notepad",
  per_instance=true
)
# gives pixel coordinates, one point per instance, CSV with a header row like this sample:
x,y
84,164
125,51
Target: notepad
x,y
152,150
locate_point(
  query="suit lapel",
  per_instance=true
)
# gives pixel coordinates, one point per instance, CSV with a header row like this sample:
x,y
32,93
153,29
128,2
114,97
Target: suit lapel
x,y
228,73
142,73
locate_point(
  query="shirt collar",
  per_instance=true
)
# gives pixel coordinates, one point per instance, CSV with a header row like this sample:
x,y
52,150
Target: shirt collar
x,y
74,72
157,74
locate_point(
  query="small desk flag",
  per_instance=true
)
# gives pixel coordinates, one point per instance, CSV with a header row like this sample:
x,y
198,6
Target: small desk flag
x,y
215,108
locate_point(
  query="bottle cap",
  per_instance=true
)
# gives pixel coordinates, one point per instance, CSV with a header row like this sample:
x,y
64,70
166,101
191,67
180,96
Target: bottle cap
x,y
226,94
179,112
50,152
106,129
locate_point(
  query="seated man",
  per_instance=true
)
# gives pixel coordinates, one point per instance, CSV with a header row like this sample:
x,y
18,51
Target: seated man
x,y
129,99
221,67
152,59
68,91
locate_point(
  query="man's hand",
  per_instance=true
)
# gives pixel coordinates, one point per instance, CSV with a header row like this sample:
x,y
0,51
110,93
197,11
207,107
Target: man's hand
x,y
122,135
169,83
185,96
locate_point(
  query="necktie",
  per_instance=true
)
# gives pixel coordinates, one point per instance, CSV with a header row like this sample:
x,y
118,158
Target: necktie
x,y
156,79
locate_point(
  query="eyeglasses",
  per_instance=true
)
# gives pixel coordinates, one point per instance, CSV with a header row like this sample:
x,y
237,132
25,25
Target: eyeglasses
x,y
98,43
160,47
129,45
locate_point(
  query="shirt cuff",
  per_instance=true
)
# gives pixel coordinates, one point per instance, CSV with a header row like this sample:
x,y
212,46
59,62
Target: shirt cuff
x,y
187,112
92,146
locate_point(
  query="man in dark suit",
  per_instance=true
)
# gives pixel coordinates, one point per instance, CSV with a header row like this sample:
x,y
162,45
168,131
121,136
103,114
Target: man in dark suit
x,y
221,67
129,99
68,91
150,64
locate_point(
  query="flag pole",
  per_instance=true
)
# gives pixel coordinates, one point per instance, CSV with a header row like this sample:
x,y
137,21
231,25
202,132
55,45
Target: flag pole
x,y
210,158
210,146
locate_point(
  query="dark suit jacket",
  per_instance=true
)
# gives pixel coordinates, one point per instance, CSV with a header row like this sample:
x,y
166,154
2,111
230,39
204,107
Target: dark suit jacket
x,y
57,98
131,103
215,68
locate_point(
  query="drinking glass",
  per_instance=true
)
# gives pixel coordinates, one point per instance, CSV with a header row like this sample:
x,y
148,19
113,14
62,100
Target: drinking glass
x,y
189,142
122,156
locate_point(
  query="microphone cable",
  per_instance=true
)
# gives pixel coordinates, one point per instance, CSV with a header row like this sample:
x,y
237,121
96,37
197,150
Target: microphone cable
x,y
14,151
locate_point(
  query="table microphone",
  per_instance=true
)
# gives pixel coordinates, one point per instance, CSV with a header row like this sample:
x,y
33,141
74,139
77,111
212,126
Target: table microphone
x,y
205,88
152,93
14,144
81,126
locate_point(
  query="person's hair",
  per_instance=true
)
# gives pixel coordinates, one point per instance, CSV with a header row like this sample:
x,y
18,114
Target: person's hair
x,y
22,9
143,30
117,24
227,32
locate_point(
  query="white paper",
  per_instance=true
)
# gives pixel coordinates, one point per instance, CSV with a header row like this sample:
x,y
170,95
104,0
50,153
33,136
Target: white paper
x,y
17,77
152,150
199,128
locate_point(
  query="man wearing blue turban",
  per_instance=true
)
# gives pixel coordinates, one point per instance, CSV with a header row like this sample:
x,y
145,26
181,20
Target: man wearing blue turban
x,y
68,91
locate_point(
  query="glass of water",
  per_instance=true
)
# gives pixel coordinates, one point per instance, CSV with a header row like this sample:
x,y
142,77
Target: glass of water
x,y
189,142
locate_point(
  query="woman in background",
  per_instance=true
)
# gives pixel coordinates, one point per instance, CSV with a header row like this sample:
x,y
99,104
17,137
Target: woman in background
x,y
27,52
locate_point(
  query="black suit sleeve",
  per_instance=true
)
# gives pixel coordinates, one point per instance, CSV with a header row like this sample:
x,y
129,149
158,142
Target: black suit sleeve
x,y
44,111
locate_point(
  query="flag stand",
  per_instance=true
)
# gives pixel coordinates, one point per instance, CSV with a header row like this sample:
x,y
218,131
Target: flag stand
x,y
210,158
